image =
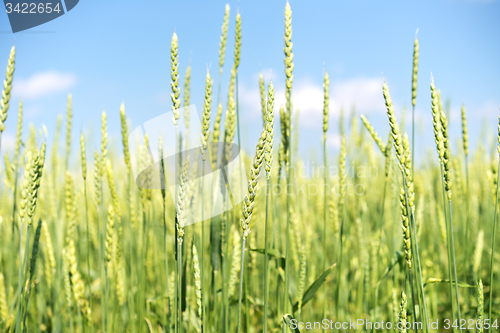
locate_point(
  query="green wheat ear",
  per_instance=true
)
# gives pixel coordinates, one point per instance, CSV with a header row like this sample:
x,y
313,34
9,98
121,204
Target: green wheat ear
x,y
7,87
415,72
83,157
124,130
207,109
216,135
480,306
174,75
326,101
436,121
197,281
237,42
19,131
446,154
288,57
248,203
104,139
465,135
4,310
69,119
402,314
269,126
109,236
374,134
187,95
262,89
223,39
396,134
406,227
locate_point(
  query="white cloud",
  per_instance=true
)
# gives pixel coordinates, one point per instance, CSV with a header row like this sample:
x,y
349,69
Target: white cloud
x,y
364,93
43,83
8,142
489,107
333,140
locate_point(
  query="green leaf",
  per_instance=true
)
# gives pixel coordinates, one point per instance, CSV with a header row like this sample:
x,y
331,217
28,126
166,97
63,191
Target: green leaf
x,y
460,284
288,321
309,293
270,252
394,261
280,259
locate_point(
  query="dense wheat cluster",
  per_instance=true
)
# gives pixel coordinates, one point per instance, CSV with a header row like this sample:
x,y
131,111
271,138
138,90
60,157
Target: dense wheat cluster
x,y
370,236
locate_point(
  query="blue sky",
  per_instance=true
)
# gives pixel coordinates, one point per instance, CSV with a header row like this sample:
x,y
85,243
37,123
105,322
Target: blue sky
x,y
109,52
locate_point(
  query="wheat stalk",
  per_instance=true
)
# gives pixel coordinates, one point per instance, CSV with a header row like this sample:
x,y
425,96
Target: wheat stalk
x,y
248,205
268,155
494,225
288,95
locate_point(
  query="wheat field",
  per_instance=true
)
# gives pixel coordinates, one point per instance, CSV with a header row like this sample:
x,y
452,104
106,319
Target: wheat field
x,y
369,236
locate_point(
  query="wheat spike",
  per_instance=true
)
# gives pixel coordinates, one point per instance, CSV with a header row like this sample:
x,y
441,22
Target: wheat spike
x,y
342,178
83,157
19,131
66,280
269,126
223,39
33,175
235,263
480,308
187,95
248,203
104,140
112,188
402,314
406,168
262,90
197,281
207,109
436,121
174,75
182,204
288,57
4,310
124,131
396,134
326,102
120,278
7,87
374,134
405,227
216,135
97,178
48,254
237,42
415,72
69,119
70,207
465,135
478,252
110,226
446,154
